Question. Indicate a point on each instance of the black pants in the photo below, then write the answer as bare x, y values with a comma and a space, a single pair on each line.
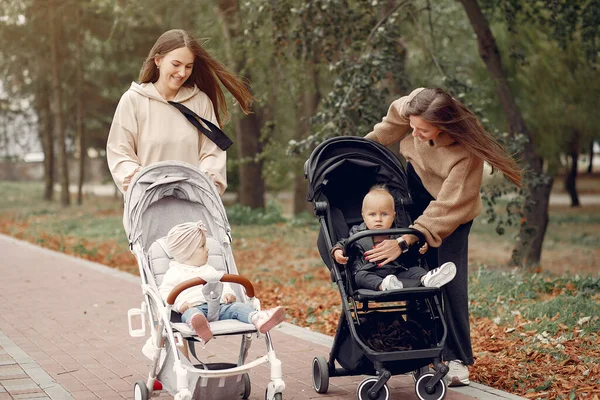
454, 248
372, 278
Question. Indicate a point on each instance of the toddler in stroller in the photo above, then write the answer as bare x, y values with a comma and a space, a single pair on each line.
380, 332
161, 196
187, 245
378, 212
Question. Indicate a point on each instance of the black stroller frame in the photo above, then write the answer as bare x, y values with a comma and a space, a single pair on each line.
361, 308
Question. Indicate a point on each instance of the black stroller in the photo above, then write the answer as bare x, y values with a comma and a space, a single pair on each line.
379, 333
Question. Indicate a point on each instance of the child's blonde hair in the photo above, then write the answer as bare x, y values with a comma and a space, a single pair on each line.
379, 189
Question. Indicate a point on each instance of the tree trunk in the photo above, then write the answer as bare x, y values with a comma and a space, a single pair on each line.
79, 110
56, 103
47, 139
571, 173
528, 249
590, 167
252, 186
308, 104
248, 128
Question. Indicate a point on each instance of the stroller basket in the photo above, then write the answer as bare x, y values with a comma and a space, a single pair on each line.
221, 388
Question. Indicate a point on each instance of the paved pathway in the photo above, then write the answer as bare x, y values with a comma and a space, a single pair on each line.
64, 335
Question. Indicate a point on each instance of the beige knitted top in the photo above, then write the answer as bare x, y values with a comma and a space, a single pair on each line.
449, 172
146, 129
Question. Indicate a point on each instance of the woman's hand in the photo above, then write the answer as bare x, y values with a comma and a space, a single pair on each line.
384, 253
412, 239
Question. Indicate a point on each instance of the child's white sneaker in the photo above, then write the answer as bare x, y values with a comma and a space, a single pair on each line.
439, 276
265, 320
202, 327
391, 282
458, 374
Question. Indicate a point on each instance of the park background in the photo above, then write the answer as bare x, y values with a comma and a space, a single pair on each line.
325, 68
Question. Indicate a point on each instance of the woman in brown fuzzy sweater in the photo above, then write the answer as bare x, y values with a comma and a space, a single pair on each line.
445, 155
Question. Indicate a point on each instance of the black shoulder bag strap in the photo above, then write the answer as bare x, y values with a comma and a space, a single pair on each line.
213, 132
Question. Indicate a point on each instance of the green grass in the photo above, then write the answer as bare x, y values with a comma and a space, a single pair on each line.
545, 301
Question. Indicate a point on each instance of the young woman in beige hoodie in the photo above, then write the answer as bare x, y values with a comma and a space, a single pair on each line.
147, 129
445, 156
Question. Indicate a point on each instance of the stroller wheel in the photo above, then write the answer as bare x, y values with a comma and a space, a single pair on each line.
362, 393
247, 386
419, 371
140, 391
436, 392
278, 396
320, 374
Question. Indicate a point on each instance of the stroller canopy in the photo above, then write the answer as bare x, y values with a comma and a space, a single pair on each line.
342, 169
167, 193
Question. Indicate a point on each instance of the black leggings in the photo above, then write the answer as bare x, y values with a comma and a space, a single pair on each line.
454, 248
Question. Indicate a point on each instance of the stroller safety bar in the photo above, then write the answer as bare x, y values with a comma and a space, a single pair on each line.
198, 281
384, 232
133, 312
227, 372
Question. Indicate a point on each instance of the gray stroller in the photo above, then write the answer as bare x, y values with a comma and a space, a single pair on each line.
160, 196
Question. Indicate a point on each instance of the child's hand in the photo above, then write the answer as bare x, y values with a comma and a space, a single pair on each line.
424, 248
184, 307
228, 298
338, 254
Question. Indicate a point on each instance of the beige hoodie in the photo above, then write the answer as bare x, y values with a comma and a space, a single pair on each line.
146, 129
449, 172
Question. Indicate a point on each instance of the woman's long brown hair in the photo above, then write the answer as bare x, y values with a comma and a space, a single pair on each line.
206, 73
449, 115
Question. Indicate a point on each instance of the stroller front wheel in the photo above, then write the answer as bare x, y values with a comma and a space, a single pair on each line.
278, 396
140, 391
424, 392
320, 374
362, 393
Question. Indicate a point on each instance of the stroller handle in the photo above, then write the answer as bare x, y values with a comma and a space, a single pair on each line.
199, 281
380, 232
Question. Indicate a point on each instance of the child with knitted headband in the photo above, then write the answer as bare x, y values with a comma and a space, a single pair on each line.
187, 246
378, 212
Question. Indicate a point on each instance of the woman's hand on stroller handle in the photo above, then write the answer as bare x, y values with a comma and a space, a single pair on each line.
388, 250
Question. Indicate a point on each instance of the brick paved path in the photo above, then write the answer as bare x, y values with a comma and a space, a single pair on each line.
63, 335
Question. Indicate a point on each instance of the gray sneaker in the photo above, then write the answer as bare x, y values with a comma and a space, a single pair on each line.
390, 282
439, 276
458, 375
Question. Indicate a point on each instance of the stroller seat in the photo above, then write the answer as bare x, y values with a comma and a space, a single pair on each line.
159, 260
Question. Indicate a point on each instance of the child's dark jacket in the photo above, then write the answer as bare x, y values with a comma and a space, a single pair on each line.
358, 249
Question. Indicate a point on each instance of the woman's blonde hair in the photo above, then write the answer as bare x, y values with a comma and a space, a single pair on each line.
449, 115
206, 73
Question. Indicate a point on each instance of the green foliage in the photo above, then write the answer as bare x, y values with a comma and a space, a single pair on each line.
244, 215
363, 53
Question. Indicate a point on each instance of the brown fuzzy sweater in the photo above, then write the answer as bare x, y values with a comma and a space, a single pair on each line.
449, 172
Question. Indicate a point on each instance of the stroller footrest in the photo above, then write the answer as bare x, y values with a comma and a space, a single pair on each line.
406, 293
218, 328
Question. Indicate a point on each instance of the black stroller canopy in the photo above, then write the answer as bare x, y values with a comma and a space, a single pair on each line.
340, 158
